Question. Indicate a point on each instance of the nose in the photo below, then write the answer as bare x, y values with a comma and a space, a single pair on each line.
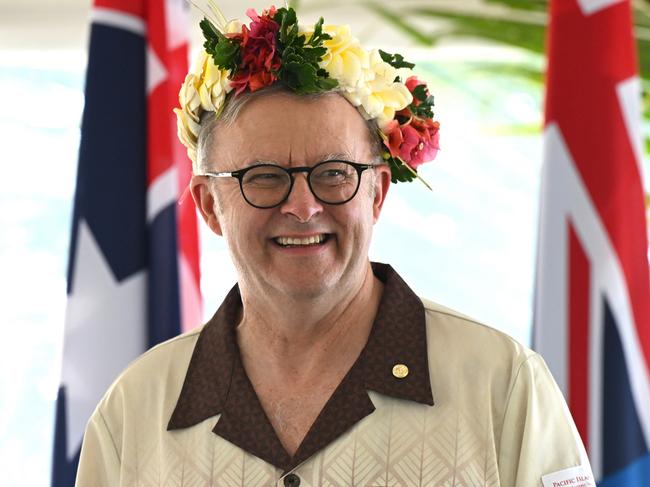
301, 203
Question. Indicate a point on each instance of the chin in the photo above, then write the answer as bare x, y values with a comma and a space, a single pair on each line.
311, 290
306, 285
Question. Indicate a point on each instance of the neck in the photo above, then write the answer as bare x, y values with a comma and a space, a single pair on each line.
302, 334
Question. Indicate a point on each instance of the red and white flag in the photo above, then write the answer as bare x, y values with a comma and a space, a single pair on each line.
592, 302
169, 169
133, 271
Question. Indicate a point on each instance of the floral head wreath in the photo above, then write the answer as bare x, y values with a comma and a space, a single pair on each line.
238, 58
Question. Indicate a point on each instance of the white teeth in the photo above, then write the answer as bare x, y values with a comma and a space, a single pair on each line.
313, 239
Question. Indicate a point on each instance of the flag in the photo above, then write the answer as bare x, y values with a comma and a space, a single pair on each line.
592, 297
133, 266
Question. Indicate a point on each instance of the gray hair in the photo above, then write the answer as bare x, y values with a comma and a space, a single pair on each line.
234, 104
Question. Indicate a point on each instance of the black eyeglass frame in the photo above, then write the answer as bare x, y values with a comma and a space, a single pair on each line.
239, 175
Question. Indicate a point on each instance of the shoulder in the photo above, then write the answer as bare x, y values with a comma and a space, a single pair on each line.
156, 377
452, 328
135, 410
460, 347
173, 353
486, 383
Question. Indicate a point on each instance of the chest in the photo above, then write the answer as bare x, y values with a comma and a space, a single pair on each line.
292, 410
399, 444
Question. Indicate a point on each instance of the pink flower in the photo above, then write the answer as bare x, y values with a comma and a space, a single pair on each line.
395, 137
428, 132
413, 82
260, 61
414, 142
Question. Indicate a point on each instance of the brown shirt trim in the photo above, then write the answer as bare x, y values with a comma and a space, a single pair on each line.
216, 382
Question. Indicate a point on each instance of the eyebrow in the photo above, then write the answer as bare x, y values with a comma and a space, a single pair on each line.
345, 156
330, 156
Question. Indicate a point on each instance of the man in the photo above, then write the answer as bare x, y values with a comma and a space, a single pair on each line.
321, 368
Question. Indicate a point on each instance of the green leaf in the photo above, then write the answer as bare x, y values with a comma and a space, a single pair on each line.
211, 35
300, 69
535, 5
420, 93
287, 20
422, 111
319, 36
326, 83
425, 108
224, 51
226, 55
318, 31
503, 30
395, 60
398, 171
209, 30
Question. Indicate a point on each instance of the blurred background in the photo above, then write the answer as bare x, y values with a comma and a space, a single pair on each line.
469, 244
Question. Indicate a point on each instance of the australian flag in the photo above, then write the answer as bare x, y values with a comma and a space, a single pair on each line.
133, 267
592, 303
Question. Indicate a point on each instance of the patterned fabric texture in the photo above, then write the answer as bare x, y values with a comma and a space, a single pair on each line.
498, 418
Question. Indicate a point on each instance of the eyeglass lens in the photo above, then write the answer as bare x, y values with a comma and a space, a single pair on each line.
332, 182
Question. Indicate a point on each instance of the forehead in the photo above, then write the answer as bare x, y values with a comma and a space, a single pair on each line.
293, 130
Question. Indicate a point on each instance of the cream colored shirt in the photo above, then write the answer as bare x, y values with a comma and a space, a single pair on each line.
476, 409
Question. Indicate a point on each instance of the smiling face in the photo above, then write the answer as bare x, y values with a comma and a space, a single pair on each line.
302, 248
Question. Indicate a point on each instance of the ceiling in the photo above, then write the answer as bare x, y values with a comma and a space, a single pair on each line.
63, 24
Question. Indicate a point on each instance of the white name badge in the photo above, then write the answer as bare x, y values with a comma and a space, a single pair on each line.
570, 477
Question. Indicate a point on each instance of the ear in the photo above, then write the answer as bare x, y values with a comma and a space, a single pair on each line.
382, 183
205, 202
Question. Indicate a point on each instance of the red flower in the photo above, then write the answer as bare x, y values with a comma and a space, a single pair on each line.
414, 142
411, 83
395, 138
260, 61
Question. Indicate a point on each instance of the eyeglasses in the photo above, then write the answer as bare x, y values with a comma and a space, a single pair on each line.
269, 185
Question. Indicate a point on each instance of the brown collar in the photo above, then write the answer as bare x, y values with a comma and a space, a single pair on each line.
216, 382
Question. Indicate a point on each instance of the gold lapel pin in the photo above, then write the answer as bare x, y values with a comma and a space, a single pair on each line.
400, 371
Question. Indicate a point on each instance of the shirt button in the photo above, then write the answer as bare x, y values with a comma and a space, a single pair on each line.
291, 480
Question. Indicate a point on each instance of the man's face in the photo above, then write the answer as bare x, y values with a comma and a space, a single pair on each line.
292, 131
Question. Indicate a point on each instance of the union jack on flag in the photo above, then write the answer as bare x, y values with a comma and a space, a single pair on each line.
133, 272
592, 303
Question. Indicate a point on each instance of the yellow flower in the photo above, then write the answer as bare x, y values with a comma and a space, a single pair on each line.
233, 27
364, 78
381, 96
188, 96
346, 60
204, 89
212, 84
184, 134
187, 128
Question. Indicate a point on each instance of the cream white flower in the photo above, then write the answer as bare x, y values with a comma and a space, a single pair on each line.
204, 89
233, 27
213, 87
188, 96
381, 96
187, 138
346, 60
